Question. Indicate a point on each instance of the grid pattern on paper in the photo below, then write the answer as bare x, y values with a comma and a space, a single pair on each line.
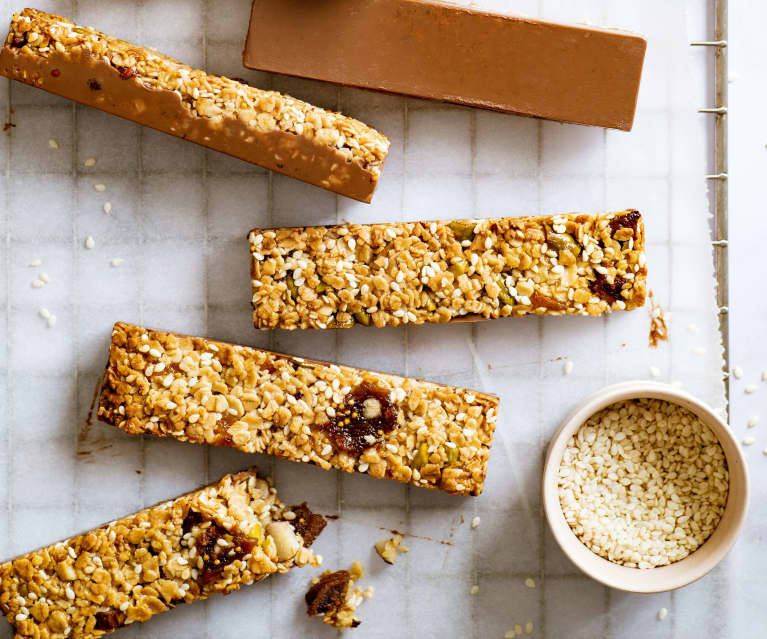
179, 217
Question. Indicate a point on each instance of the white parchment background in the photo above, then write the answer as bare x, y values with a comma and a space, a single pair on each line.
179, 218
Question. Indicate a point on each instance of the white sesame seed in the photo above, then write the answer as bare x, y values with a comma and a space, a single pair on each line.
89, 242
764, 375
100, 187
568, 367
38, 284
737, 372
509, 634
748, 441
363, 467
21, 616
654, 371
107, 207
124, 606
154, 352
530, 582
662, 614
753, 421
44, 277
90, 162
529, 627
474, 590
692, 328
44, 313
699, 350
475, 522
51, 321
35, 262
751, 388
53, 144
116, 261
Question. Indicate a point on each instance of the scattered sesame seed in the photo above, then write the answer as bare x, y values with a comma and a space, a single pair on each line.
751, 388
35, 262
474, 590
737, 372
662, 614
517, 629
89, 242
530, 582
529, 627
753, 421
568, 367
654, 371
764, 375
475, 522
748, 441
51, 321
100, 187
510, 634
44, 277
699, 350
677, 383
38, 284
764, 452
44, 313
53, 144
90, 162
116, 261
692, 328
107, 207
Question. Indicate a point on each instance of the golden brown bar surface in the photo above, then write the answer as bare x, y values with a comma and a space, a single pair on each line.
266, 128
443, 271
203, 391
213, 540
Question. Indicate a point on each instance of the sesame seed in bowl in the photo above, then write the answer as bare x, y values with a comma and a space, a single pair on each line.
644, 487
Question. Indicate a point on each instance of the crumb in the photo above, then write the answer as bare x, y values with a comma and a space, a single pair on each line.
654, 371
658, 326
475, 522
751, 388
333, 595
90, 162
662, 614
530, 582
116, 261
529, 627
474, 590
52, 143
737, 372
748, 441
100, 187
107, 207
753, 421
568, 366
8, 126
89, 242
388, 549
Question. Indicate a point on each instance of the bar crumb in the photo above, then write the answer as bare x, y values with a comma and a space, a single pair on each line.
658, 326
334, 596
388, 549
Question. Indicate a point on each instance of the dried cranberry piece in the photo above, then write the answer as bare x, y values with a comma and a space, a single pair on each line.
19, 41
329, 593
192, 519
602, 288
360, 422
307, 524
94, 85
216, 557
627, 220
55, 73
126, 72
108, 621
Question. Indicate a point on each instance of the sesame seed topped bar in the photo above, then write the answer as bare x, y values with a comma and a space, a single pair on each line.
416, 272
263, 127
202, 391
214, 540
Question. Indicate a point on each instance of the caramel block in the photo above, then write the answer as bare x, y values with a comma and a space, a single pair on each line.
447, 271
439, 51
213, 540
265, 128
207, 392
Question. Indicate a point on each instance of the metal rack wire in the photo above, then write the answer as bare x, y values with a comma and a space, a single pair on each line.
720, 224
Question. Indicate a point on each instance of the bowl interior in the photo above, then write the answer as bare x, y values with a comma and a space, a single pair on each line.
662, 578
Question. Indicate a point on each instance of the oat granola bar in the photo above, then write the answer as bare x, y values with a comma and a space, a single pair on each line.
137, 83
214, 540
461, 270
202, 391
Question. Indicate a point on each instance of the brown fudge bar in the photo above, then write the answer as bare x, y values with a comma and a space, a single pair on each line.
214, 540
266, 128
203, 391
440, 51
416, 272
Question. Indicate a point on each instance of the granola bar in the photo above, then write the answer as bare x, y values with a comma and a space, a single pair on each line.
214, 540
203, 391
137, 83
462, 270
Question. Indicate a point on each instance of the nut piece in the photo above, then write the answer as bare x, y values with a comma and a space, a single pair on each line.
285, 539
371, 408
388, 548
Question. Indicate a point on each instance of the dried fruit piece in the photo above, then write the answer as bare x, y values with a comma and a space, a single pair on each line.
629, 219
219, 548
539, 300
351, 430
292, 288
363, 317
126, 72
333, 595
307, 524
421, 456
602, 288
459, 268
462, 230
503, 295
388, 548
452, 454
108, 621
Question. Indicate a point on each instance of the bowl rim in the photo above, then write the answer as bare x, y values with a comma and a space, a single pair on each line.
662, 578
